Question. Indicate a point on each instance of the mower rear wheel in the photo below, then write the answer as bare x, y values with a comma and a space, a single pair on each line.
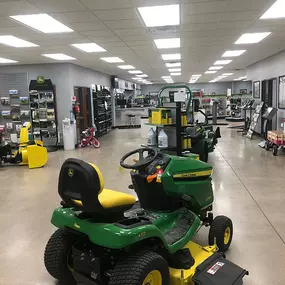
221, 232
142, 268
58, 254
275, 150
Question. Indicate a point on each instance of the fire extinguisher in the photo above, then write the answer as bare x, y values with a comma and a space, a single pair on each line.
76, 110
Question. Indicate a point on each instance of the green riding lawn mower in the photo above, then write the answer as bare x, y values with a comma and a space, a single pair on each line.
107, 237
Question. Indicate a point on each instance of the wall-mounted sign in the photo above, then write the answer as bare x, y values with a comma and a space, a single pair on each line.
40, 80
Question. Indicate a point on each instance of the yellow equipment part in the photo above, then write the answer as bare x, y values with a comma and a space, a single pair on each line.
200, 254
37, 156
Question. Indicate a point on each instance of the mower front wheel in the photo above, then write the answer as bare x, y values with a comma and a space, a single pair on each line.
142, 268
221, 233
58, 254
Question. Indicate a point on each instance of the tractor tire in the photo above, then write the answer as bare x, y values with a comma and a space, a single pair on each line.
142, 268
275, 150
221, 232
57, 254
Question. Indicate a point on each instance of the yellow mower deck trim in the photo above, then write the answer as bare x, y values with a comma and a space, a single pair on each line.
200, 254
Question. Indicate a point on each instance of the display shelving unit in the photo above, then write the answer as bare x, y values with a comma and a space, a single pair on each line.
43, 112
102, 106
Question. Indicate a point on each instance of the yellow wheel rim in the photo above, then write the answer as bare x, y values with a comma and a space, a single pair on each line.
227, 235
153, 278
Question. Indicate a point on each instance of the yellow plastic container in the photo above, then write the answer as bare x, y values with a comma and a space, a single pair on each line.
159, 116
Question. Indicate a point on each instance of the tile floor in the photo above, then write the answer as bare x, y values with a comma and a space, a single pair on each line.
248, 185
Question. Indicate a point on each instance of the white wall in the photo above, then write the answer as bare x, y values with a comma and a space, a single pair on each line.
218, 87
271, 67
65, 76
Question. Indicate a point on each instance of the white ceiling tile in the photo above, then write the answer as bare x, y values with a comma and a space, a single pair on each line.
240, 16
17, 7
58, 5
106, 4
133, 38
234, 25
201, 18
205, 7
198, 26
124, 24
246, 5
111, 39
87, 26
75, 17
118, 14
99, 33
127, 32
144, 3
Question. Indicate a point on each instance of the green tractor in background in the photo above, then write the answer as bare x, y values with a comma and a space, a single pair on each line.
107, 237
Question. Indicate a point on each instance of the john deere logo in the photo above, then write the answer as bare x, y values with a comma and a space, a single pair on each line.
40, 80
70, 172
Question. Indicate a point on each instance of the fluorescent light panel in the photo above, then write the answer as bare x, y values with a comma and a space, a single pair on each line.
172, 56
175, 74
222, 62
252, 38
210, 72
173, 64
112, 59
174, 69
126, 67
165, 77
167, 43
59, 56
277, 10
233, 53
43, 23
135, 78
215, 67
6, 60
135, 72
15, 42
159, 16
142, 75
227, 74
89, 47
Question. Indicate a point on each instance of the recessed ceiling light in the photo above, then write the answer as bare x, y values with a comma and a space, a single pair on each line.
167, 43
170, 56
165, 77
223, 62
89, 47
210, 72
142, 75
135, 78
6, 60
196, 75
158, 16
135, 72
59, 56
232, 53
227, 74
175, 74
252, 38
174, 69
43, 23
215, 67
277, 10
126, 67
15, 42
112, 59
173, 64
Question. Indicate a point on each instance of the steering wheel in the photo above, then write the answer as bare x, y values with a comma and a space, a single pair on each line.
143, 161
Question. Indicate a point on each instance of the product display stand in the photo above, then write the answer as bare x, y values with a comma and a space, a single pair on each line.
255, 119
102, 105
43, 113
